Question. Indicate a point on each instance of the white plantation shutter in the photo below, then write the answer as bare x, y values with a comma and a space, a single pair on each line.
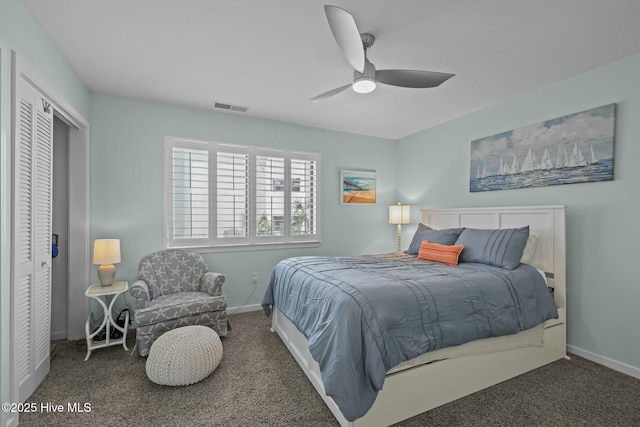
304, 197
229, 195
31, 277
232, 178
270, 196
190, 191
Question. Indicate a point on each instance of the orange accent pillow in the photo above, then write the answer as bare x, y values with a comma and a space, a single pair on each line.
440, 253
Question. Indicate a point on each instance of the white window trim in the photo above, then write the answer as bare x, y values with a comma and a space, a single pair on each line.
252, 241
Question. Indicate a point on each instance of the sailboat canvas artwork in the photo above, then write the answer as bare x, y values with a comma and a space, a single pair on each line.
570, 149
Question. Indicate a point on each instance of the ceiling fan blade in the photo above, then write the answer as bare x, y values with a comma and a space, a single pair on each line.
412, 78
330, 93
347, 35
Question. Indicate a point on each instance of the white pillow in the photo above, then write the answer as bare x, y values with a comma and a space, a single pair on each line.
530, 249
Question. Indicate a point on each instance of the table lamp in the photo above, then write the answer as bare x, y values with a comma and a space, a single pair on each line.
106, 252
399, 214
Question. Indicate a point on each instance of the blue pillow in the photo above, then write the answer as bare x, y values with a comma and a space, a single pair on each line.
447, 237
501, 248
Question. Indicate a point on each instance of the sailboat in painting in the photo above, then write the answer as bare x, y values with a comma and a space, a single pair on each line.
577, 158
530, 162
515, 167
484, 171
560, 163
545, 163
594, 160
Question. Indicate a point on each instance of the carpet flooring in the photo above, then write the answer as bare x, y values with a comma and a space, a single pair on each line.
258, 383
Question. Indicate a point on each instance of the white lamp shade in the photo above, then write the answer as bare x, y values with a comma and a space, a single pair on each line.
106, 251
399, 214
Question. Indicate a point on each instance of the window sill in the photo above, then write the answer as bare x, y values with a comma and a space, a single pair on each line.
250, 247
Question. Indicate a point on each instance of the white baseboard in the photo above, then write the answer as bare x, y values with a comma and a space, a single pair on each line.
605, 361
244, 309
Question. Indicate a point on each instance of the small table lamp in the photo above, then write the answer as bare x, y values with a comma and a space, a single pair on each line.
399, 214
106, 252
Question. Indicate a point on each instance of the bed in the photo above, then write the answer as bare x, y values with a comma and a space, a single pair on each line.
420, 384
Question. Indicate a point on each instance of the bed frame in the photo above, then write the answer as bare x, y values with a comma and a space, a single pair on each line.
415, 390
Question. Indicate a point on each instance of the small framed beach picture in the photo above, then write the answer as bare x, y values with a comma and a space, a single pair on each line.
357, 187
569, 149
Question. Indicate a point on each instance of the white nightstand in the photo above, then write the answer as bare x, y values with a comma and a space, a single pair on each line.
110, 293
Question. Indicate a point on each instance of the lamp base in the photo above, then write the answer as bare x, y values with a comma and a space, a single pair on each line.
399, 238
106, 274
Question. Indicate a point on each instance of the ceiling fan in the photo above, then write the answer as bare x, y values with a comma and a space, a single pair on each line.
354, 46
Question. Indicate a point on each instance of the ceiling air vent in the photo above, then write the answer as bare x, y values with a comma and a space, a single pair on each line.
230, 107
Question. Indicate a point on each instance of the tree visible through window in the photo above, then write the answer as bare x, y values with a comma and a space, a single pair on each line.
299, 219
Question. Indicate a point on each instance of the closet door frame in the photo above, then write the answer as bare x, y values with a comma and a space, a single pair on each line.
79, 217
31, 237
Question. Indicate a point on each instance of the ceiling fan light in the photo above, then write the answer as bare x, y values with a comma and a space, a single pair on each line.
364, 85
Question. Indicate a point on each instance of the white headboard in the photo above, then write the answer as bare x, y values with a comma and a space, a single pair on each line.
546, 222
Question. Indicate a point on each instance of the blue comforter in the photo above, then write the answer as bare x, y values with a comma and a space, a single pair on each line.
364, 315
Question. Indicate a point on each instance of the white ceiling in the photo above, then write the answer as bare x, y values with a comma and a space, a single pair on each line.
272, 56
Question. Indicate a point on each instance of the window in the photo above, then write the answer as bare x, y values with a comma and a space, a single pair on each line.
224, 195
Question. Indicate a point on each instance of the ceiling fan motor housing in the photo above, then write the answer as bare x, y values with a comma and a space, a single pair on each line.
365, 82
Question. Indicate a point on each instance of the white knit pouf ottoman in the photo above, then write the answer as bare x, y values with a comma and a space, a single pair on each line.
184, 356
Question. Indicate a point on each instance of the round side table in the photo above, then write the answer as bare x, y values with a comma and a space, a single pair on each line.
111, 292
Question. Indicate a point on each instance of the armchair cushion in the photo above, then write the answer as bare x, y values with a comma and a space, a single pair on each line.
172, 271
176, 306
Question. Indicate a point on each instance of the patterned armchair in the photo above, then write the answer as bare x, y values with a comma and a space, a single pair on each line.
174, 289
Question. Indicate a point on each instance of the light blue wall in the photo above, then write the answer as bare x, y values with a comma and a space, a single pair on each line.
127, 143
20, 33
603, 230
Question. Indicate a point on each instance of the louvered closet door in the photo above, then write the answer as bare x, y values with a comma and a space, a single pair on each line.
32, 239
